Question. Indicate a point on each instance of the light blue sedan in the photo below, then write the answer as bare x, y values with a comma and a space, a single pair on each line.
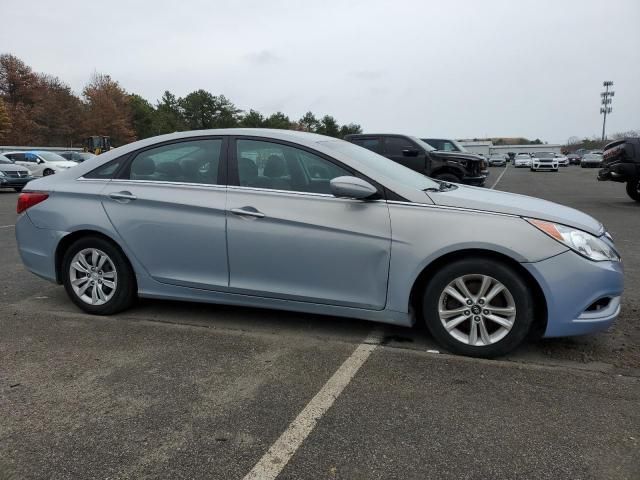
298, 221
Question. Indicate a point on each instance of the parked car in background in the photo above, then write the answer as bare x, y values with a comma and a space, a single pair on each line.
522, 160
591, 160
77, 157
421, 157
235, 217
12, 175
621, 163
563, 161
544, 161
497, 160
40, 163
574, 158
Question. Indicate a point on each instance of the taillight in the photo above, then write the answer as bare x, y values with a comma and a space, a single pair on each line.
29, 199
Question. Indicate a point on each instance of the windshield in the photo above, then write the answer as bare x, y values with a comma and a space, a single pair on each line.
593, 156
522, 155
52, 157
545, 155
444, 145
382, 165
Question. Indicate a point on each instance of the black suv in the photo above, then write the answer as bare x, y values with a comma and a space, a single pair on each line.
621, 163
417, 155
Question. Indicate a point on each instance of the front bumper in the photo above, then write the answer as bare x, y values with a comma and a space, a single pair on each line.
571, 285
476, 181
14, 182
544, 166
619, 172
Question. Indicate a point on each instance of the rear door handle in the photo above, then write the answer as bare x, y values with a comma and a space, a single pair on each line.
122, 196
245, 212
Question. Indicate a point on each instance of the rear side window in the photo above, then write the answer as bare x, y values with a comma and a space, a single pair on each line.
106, 171
372, 144
194, 161
395, 145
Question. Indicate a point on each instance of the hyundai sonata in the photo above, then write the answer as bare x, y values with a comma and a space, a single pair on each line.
298, 221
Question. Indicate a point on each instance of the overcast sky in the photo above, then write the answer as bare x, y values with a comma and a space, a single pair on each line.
428, 68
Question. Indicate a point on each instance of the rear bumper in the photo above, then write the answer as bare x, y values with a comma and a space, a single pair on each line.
619, 172
37, 247
571, 285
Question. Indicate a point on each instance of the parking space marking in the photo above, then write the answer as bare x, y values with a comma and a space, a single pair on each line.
277, 457
6, 226
500, 177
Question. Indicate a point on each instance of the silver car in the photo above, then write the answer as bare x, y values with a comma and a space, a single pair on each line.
298, 221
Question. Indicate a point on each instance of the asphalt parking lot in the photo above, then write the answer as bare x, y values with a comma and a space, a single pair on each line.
178, 390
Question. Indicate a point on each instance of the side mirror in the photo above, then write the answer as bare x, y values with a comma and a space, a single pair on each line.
410, 152
352, 187
40, 161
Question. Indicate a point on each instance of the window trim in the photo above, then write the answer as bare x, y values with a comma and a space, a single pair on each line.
125, 168
233, 179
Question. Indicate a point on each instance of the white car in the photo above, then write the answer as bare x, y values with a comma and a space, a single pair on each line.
544, 161
40, 163
563, 160
522, 160
591, 160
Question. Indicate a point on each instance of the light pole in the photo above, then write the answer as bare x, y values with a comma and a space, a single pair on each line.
606, 104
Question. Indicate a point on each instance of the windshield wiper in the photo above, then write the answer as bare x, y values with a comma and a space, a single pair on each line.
444, 186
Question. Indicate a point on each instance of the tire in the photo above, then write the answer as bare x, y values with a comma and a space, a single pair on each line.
18, 189
501, 339
532, 169
448, 177
47, 172
633, 189
117, 271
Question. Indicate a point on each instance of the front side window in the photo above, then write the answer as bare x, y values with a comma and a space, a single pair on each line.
274, 166
372, 144
194, 161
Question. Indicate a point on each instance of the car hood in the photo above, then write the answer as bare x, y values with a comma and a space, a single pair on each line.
6, 167
514, 204
456, 155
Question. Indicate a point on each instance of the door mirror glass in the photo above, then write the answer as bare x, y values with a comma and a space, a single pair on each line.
410, 152
352, 187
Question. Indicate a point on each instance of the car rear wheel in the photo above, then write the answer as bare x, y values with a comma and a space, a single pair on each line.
633, 189
98, 277
448, 177
478, 307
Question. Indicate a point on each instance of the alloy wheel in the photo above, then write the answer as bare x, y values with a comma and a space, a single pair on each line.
477, 310
93, 276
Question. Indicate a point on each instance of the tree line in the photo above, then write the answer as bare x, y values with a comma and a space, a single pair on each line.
40, 109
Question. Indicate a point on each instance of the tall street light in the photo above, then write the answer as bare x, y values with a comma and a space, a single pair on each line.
606, 104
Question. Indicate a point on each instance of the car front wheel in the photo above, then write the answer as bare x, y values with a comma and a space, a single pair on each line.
633, 189
48, 172
98, 277
478, 307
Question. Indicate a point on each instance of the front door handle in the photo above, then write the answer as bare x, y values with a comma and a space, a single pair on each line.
120, 196
247, 212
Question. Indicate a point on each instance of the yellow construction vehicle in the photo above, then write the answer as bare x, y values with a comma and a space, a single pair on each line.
97, 144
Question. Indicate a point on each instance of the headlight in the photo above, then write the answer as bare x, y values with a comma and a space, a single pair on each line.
581, 242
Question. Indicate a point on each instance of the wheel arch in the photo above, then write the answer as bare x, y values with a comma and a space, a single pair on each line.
458, 172
539, 299
69, 239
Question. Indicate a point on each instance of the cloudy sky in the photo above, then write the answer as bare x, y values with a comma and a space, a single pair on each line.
430, 68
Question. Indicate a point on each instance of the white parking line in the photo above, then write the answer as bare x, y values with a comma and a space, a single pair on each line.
500, 177
277, 457
7, 226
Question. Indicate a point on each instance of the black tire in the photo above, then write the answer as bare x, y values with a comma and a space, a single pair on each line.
47, 172
448, 177
501, 272
18, 189
532, 169
633, 189
126, 289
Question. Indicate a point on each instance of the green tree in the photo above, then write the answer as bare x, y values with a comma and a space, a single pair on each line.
309, 122
350, 129
252, 119
168, 117
278, 120
143, 117
329, 126
203, 110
